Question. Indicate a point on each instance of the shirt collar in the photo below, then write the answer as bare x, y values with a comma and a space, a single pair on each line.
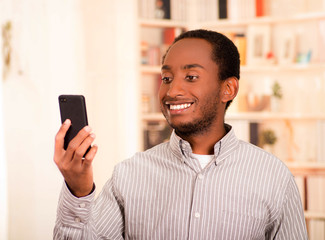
222, 149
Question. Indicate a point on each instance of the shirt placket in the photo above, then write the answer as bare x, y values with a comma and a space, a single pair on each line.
197, 210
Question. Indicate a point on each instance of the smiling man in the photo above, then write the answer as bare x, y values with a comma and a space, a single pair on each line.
192, 98
202, 184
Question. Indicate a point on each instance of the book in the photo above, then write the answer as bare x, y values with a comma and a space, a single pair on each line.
253, 133
259, 8
162, 9
168, 36
156, 132
222, 7
240, 9
240, 42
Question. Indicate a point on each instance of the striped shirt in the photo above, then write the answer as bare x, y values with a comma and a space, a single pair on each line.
163, 193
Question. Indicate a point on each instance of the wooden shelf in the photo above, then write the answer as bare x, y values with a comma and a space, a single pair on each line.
161, 23
251, 116
259, 116
315, 215
258, 69
223, 23
153, 117
283, 68
306, 168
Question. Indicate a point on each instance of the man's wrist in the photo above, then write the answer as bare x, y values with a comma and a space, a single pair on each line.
82, 195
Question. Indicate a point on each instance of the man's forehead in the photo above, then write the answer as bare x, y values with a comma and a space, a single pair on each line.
189, 53
190, 42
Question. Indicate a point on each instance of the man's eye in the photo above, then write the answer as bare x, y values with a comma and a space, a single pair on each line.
191, 78
166, 79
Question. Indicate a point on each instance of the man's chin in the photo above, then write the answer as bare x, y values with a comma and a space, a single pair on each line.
193, 128
184, 129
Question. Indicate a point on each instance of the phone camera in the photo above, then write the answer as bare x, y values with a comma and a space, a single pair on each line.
63, 99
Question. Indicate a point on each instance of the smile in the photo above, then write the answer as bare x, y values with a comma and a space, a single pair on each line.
179, 106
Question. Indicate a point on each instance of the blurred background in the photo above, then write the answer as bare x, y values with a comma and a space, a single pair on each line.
110, 52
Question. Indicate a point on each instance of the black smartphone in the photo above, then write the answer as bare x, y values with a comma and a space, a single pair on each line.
73, 107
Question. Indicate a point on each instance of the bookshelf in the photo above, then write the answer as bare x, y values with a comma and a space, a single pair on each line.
200, 14
300, 124
296, 18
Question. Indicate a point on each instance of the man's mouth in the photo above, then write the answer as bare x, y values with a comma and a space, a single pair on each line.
179, 106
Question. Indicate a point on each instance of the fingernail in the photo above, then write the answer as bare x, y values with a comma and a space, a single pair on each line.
93, 135
96, 147
67, 121
87, 129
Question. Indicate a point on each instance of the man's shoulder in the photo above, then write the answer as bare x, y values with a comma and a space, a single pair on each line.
247, 146
148, 156
259, 156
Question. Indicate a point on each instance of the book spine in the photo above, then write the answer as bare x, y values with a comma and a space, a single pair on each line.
259, 8
169, 36
166, 8
223, 9
162, 9
240, 42
214, 10
253, 133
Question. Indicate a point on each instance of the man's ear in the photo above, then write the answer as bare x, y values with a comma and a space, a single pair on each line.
229, 89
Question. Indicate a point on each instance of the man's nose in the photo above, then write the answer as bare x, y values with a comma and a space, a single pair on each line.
176, 88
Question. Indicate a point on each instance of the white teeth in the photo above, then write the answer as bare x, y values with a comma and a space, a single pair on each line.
180, 106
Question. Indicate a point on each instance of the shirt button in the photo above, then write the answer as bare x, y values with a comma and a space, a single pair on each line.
82, 205
77, 220
197, 215
200, 176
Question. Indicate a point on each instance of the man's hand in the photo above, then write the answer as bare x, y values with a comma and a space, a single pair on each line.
76, 170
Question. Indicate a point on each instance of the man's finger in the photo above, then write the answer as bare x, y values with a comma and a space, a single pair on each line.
77, 141
59, 138
90, 156
82, 148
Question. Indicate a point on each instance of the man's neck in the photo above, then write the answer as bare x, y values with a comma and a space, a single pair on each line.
204, 143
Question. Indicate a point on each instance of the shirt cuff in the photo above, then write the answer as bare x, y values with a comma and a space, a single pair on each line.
74, 211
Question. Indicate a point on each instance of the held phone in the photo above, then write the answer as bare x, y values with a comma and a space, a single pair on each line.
73, 107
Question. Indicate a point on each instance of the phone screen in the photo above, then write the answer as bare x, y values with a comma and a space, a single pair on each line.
73, 107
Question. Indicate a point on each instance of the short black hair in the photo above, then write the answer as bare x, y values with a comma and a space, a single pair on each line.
224, 52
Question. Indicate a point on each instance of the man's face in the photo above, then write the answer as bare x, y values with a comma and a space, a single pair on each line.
190, 91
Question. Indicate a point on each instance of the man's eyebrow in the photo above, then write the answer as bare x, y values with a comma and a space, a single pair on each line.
195, 65
165, 67
187, 66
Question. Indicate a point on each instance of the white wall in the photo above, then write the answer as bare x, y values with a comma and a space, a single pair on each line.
111, 72
60, 47
3, 168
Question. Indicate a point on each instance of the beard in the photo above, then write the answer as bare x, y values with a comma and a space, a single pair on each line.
196, 127
199, 125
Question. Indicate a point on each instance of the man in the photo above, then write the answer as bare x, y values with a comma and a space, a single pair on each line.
202, 184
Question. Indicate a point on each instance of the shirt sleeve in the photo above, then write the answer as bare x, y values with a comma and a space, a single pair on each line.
291, 223
87, 218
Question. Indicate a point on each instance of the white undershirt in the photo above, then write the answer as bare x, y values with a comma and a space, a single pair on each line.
203, 159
